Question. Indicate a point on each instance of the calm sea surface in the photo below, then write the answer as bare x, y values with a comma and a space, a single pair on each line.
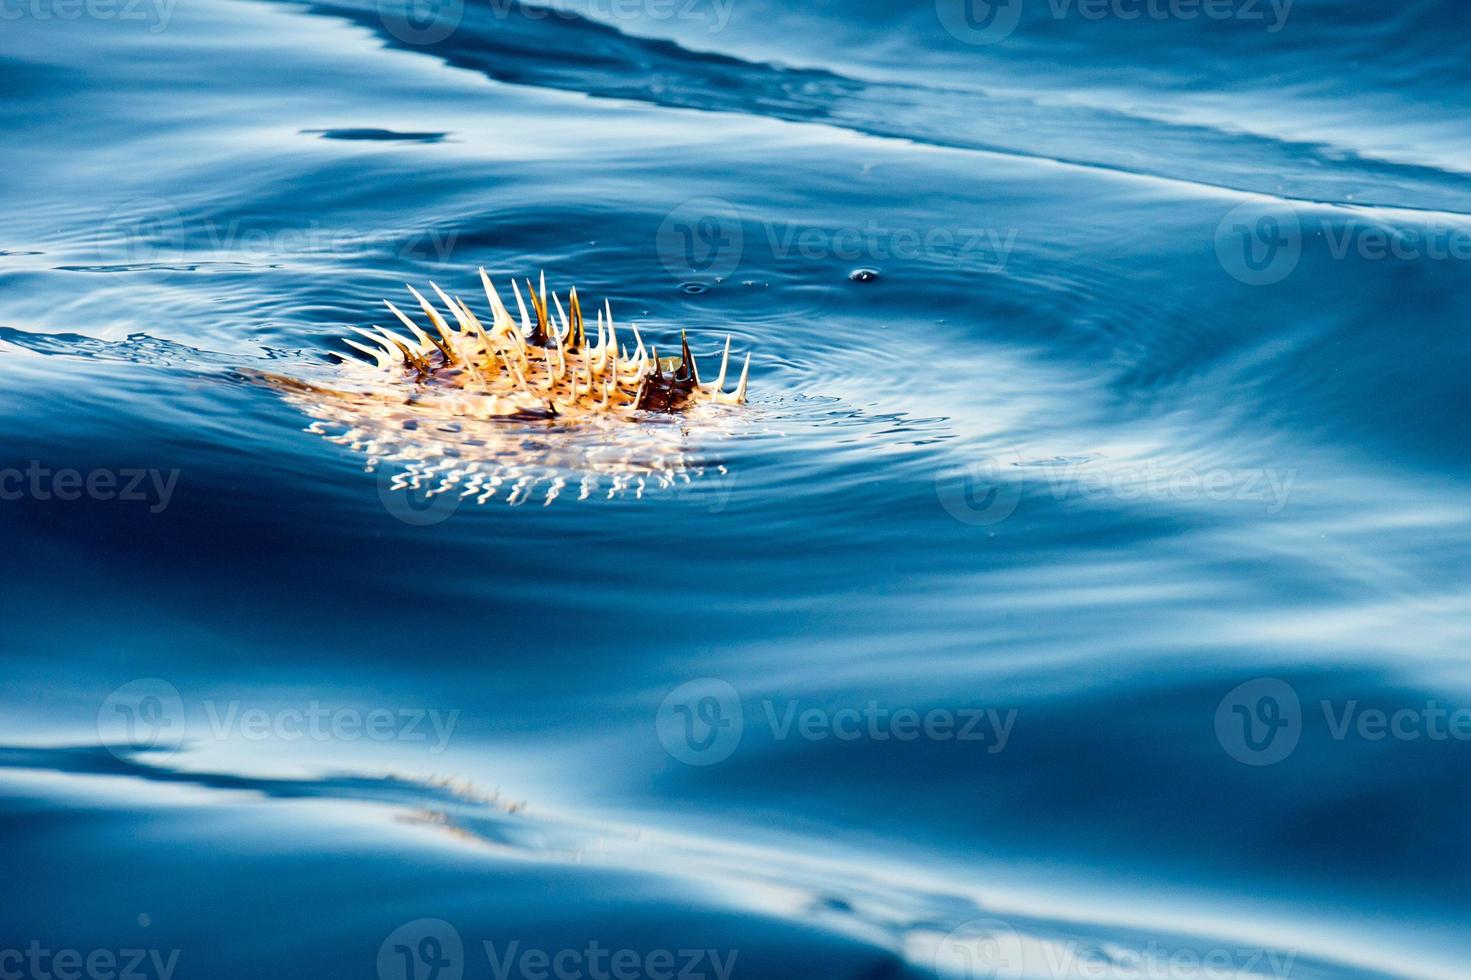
1084, 593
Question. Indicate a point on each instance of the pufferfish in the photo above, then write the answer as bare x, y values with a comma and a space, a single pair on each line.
541, 368
528, 404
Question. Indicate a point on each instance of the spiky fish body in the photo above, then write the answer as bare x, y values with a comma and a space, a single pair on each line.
542, 366
524, 406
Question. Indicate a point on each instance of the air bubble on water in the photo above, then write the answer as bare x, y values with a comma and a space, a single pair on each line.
863, 275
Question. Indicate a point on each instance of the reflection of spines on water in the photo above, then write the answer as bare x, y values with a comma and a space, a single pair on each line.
514, 461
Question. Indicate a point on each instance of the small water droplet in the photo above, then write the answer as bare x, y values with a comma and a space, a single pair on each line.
693, 288
863, 275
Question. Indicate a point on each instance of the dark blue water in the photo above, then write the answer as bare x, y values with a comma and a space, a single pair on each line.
1084, 595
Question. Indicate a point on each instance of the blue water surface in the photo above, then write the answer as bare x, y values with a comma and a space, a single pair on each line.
1083, 592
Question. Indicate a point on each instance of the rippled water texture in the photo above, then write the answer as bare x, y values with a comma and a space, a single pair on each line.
1082, 592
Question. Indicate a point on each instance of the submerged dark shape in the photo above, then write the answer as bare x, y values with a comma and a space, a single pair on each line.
376, 135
